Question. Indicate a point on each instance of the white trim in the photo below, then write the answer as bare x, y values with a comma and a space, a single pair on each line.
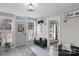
31, 20
58, 28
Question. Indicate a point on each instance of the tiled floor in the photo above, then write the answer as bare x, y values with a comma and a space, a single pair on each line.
21, 51
32, 50
44, 52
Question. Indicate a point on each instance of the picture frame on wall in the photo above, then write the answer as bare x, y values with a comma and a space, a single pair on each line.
20, 27
72, 14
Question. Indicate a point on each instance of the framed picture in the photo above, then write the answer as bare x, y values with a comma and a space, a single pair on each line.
72, 14
20, 27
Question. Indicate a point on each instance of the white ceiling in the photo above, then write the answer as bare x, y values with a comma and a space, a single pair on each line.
44, 9
14, 8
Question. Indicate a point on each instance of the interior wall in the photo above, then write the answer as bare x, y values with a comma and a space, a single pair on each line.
45, 29
12, 8
69, 31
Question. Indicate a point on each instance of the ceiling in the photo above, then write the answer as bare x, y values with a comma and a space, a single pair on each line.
14, 8
43, 9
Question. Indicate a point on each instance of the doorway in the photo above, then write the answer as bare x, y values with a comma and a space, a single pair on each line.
54, 32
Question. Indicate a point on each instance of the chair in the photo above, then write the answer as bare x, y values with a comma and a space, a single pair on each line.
42, 43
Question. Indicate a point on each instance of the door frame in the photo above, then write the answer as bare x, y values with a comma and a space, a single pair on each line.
58, 29
28, 20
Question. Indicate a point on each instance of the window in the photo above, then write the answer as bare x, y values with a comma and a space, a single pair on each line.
5, 24
31, 26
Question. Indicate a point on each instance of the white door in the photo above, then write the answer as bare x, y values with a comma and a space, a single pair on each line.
20, 33
31, 30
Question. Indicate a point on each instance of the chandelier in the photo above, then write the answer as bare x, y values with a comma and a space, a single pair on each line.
30, 7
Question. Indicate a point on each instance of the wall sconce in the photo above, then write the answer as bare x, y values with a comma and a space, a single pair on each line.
41, 21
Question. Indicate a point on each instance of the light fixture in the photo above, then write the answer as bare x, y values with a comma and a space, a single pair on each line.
31, 7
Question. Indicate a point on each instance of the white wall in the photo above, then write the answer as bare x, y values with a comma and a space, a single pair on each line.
69, 31
12, 8
45, 29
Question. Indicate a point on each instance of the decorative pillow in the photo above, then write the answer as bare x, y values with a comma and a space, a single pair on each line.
66, 46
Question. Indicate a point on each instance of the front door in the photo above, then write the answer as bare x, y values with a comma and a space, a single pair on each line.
20, 33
